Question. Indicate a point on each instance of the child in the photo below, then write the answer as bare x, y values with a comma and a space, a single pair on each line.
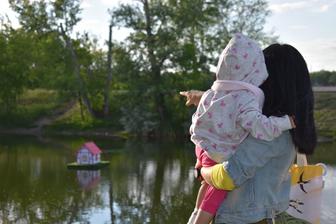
227, 113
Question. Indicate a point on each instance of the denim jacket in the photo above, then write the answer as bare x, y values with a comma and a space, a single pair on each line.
259, 170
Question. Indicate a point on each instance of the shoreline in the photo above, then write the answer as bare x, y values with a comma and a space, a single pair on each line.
40, 133
96, 133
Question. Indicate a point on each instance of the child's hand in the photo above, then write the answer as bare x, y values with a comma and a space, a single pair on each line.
292, 121
198, 164
197, 170
193, 97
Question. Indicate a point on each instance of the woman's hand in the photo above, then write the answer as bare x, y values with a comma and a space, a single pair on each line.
292, 121
193, 96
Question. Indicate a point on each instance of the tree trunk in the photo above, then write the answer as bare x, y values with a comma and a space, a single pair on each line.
109, 76
155, 67
75, 64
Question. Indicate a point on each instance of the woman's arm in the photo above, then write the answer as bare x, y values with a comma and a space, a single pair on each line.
251, 155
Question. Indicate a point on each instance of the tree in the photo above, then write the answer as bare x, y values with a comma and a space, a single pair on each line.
174, 41
75, 58
323, 78
170, 48
15, 46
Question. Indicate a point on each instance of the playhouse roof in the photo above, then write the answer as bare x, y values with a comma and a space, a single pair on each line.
92, 147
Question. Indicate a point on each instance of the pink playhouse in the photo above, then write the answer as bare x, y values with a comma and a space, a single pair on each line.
89, 153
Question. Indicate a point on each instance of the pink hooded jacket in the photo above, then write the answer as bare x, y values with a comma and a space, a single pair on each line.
232, 108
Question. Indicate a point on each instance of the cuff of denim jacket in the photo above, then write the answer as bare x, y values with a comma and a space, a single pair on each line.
236, 172
220, 178
285, 123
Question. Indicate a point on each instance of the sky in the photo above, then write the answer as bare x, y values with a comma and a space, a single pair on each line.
309, 26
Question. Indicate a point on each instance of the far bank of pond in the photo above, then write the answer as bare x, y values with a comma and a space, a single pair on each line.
42, 112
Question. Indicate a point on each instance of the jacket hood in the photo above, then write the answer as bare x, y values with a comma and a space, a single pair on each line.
242, 60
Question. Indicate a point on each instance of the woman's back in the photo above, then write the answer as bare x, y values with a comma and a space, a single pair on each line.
267, 193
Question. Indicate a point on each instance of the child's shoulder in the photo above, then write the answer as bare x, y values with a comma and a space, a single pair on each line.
242, 93
244, 97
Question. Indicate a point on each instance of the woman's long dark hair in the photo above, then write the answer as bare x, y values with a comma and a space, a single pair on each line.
288, 91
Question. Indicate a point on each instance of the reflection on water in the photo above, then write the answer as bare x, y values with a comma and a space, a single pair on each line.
329, 196
145, 183
88, 179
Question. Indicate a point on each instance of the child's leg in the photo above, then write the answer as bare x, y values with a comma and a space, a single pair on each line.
202, 189
209, 205
201, 193
203, 217
212, 199
192, 217
200, 196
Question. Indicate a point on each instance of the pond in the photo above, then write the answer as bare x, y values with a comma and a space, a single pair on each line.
144, 183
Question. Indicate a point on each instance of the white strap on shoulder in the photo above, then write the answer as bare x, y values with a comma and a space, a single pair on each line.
301, 159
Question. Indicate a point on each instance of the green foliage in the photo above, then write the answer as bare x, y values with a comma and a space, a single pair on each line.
77, 120
32, 105
169, 49
74, 67
33, 15
16, 46
42, 16
66, 12
323, 78
73, 120
325, 114
138, 119
325, 153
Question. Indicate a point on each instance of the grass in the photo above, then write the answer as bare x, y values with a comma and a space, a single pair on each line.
32, 105
325, 118
325, 114
73, 120
326, 153
77, 120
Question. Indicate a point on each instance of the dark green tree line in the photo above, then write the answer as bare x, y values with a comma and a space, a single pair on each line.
323, 78
170, 47
172, 43
69, 65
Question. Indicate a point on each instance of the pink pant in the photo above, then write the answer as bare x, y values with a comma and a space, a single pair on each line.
213, 197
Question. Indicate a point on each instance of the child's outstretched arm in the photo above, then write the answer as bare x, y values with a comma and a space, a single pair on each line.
250, 117
193, 96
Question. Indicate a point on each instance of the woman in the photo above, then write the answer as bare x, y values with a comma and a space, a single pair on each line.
258, 177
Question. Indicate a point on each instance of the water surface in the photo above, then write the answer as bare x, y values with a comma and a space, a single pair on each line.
145, 182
